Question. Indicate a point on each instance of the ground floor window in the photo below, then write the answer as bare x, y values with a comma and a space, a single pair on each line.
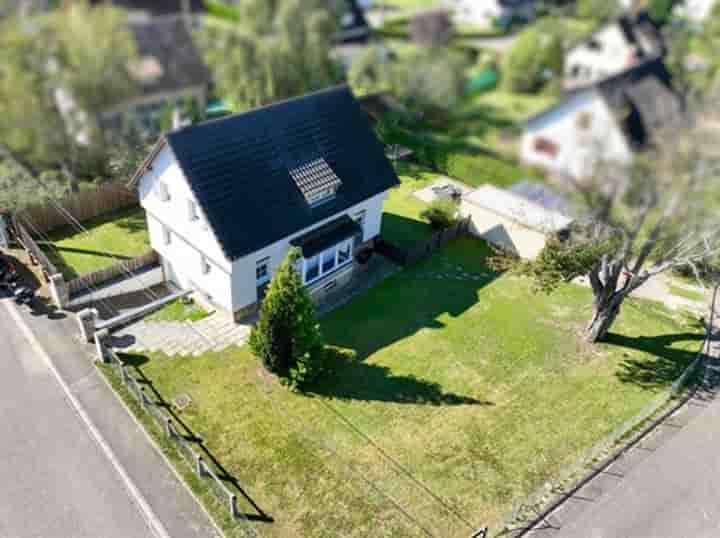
315, 267
262, 271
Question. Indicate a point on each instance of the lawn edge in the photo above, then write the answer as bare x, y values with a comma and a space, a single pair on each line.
202, 494
555, 492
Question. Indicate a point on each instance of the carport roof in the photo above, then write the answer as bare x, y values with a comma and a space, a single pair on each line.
517, 208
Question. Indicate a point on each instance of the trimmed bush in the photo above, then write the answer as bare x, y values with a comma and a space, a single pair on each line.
441, 214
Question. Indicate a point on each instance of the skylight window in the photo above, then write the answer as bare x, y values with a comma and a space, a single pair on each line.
317, 181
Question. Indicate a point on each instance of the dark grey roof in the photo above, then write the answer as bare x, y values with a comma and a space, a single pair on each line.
239, 166
643, 93
167, 41
325, 236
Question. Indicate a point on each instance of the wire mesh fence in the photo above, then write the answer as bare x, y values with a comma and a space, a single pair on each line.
172, 432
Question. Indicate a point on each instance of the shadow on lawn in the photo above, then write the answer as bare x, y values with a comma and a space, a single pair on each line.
135, 362
403, 231
665, 364
352, 379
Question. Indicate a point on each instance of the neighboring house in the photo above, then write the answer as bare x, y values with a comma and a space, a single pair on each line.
22, 7
353, 24
619, 45
168, 72
510, 221
696, 10
486, 12
226, 199
606, 122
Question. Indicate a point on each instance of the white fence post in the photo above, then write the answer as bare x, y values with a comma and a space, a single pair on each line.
87, 320
101, 338
59, 290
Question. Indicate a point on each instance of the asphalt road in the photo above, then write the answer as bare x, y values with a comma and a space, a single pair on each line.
668, 487
55, 481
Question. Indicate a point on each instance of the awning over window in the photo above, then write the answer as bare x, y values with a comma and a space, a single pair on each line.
325, 236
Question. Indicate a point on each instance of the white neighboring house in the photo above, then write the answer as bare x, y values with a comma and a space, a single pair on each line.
614, 48
602, 124
696, 10
484, 12
510, 221
226, 199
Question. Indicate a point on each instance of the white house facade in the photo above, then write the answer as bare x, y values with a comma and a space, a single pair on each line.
223, 223
568, 138
483, 13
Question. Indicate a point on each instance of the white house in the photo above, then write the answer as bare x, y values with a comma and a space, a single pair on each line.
603, 123
484, 12
226, 199
617, 46
510, 221
696, 11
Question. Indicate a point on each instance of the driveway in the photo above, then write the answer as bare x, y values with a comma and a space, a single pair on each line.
55, 480
667, 487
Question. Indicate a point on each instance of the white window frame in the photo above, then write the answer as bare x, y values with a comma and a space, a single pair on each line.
205, 267
193, 211
167, 235
337, 264
260, 280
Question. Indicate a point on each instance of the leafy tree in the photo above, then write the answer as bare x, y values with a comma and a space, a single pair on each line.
659, 216
660, 11
431, 28
423, 80
18, 190
80, 52
276, 50
536, 58
287, 337
598, 10
440, 214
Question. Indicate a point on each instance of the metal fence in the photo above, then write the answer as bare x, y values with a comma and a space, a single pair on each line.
173, 433
36, 254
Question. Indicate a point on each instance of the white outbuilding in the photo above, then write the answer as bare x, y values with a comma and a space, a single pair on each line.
510, 221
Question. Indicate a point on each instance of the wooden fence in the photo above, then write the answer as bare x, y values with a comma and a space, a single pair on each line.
424, 248
103, 276
37, 256
165, 422
81, 206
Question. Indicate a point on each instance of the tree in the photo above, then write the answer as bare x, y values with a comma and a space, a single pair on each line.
431, 28
658, 216
598, 10
660, 11
80, 52
535, 59
423, 80
276, 50
287, 337
18, 190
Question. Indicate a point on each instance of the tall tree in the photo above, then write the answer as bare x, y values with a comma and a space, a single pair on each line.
659, 216
277, 49
535, 59
287, 337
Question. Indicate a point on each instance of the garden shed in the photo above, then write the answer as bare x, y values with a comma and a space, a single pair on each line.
510, 221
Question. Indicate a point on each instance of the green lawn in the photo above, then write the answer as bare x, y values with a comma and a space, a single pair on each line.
692, 295
401, 222
468, 382
179, 310
110, 239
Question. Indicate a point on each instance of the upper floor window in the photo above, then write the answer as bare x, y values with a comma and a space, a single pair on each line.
543, 145
162, 191
205, 266
167, 235
192, 210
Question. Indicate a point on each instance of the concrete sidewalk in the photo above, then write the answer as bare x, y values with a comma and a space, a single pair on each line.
168, 498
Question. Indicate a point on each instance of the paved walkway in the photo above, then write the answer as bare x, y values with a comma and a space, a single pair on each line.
71, 482
665, 487
183, 338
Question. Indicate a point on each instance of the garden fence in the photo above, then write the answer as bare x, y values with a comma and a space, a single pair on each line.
424, 248
103, 276
81, 206
173, 433
37, 256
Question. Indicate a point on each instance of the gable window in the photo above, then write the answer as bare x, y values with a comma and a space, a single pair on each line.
167, 235
163, 191
262, 271
546, 146
205, 266
316, 181
192, 210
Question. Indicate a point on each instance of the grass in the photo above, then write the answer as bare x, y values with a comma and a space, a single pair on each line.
401, 222
446, 372
692, 295
109, 240
179, 310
